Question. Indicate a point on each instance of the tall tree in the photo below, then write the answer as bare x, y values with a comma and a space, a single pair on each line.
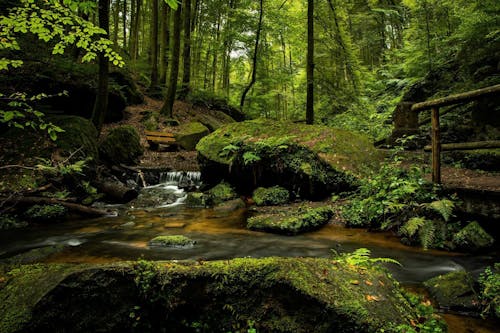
154, 45
101, 102
186, 55
310, 63
168, 106
255, 56
164, 40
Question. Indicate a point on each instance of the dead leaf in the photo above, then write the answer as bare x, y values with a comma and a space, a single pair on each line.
369, 283
355, 282
371, 298
381, 283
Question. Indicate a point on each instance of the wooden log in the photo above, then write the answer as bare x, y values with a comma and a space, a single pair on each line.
458, 98
436, 147
467, 145
73, 207
117, 192
160, 134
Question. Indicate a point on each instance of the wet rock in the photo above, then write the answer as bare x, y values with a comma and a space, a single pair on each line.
271, 196
220, 193
45, 213
188, 135
454, 291
33, 255
195, 199
292, 222
121, 146
175, 225
472, 238
275, 294
127, 225
230, 206
172, 241
154, 197
309, 161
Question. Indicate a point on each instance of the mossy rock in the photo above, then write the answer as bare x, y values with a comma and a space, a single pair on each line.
275, 294
220, 193
271, 196
230, 206
473, 238
292, 222
8, 222
454, 291
122, 145
195, 199
214, 120
79, 133
309, 160
188, 135
179, 241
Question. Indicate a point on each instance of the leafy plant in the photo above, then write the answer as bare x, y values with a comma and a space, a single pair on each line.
250, 158
361, 257
489, 282
444, 207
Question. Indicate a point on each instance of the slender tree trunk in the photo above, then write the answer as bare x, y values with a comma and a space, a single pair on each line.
216, 53
101, 102
168, 106
255, 54
116, 12
132, 26
154, 45
124, 24
310, 63
164, 40
186, 55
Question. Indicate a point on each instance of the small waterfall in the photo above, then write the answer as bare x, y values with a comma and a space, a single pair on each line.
179, 177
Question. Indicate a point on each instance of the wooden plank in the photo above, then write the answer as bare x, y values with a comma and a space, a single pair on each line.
436, 147
467, 145
160, 134
454, 99
160, 140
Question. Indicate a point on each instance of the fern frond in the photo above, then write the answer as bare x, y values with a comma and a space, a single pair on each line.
412, 225
444, 207
427, 234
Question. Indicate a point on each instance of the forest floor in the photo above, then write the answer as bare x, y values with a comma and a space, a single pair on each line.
452, 177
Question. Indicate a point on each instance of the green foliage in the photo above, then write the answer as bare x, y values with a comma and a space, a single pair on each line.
172, 241
489, 282
444, 207
411, 227
45, 213
275, 195
250, 158
427, 322
361, 257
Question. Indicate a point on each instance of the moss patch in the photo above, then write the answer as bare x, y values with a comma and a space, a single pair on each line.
188, 135
172, 241
121, 146
472, 238
292, 222
45, 213
269, 294
220, 193
271, 196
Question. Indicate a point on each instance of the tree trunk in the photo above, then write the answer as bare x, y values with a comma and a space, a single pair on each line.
124, 24
154, 45
116, 12
168, 106
255, 54
186, 55
101, 101
216, 51
310, 63
164, 40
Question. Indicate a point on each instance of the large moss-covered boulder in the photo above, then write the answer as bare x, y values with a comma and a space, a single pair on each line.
310, 161
472, 238
122, 145
188, 135
454, 291
268, 295
291, 222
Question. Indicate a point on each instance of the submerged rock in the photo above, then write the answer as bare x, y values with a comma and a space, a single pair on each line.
269, 294
122, 145
293, 221
172, 241
472, 238
309, 161
188, 135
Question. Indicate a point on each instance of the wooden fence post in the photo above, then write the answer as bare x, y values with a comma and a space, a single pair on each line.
436, 147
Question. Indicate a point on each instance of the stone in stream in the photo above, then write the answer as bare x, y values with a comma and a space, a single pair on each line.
274, 294
310, 161
472, 238
271, 196
175, 225
179, 241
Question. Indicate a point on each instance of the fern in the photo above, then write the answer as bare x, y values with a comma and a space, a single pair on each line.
444, 207
361, 257
250, 158
427, 234
412, 225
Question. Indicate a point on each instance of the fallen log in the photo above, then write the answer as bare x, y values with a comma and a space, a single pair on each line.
467, 145
117, 191
72, 207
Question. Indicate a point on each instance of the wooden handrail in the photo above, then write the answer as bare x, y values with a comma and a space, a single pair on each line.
492, 144
434, 105
455, 99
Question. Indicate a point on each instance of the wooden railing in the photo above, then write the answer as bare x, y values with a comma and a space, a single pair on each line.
436, 146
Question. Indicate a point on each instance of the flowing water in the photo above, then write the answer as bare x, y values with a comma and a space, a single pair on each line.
160, 210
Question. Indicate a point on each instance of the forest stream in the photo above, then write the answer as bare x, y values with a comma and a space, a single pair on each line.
125, 235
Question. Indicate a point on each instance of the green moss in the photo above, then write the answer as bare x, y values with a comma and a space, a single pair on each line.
172, 241
292, 222
189, 134
220, 193
11, 222
342, 150
78, 133
473, 238
45, 213
121, 146
275, 195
